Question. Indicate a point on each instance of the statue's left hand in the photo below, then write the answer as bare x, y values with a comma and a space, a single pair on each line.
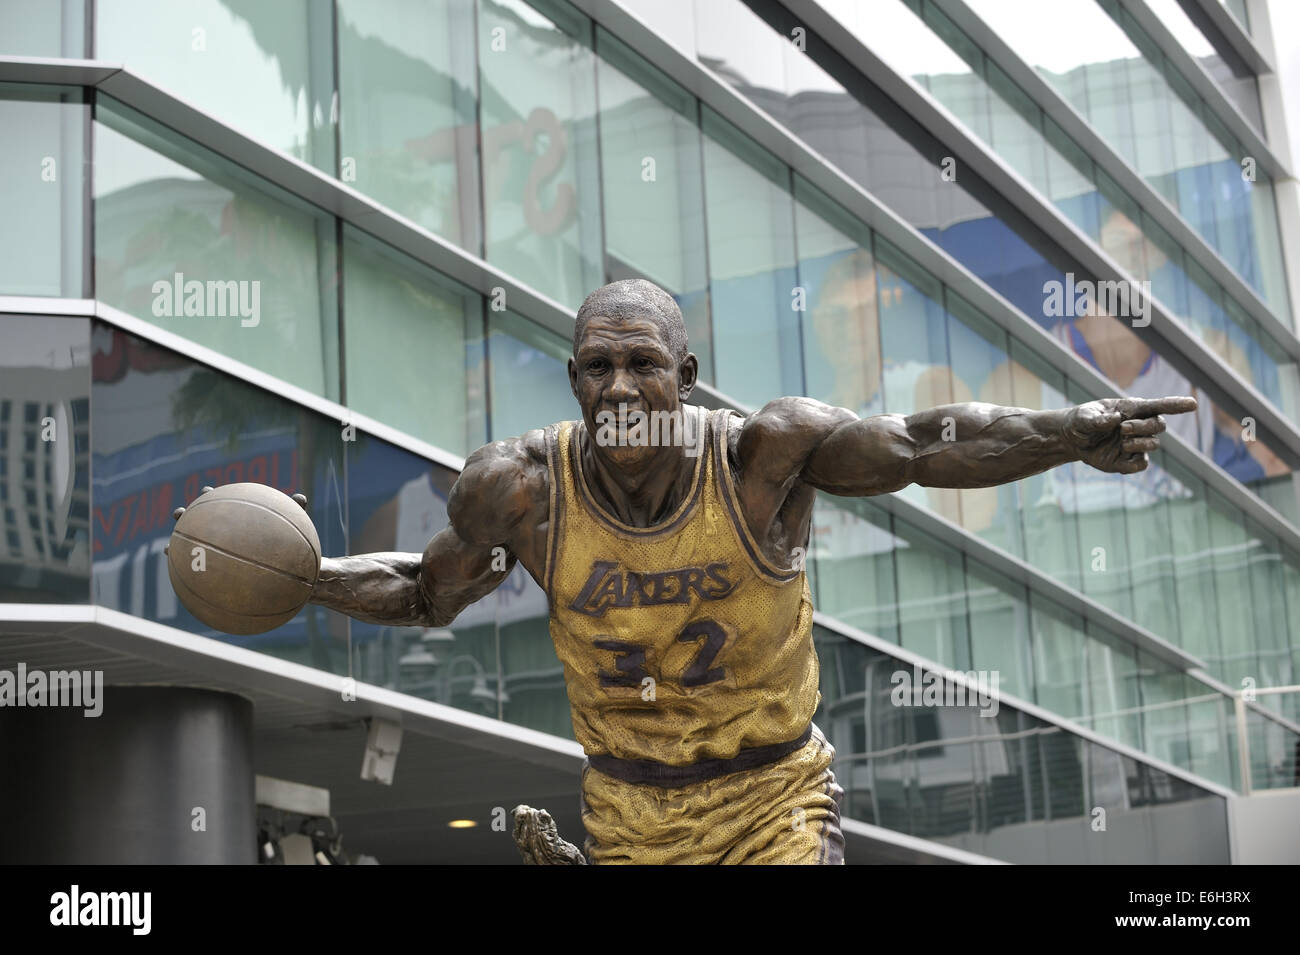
1116, 434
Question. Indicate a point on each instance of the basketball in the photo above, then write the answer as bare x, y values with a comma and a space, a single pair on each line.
243, 558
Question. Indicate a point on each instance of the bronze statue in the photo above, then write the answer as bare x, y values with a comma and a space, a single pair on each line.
670, 541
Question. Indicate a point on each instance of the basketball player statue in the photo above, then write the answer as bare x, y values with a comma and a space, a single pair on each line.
672, 562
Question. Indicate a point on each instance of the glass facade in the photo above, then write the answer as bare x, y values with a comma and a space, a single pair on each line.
1003, 784
1119, 80
530, 137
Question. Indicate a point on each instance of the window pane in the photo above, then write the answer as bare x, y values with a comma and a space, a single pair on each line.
199, 247
841, 333
1232, 587
751, 266
1048, 509
1114, 700
653, 186
540, 172
407, 123
164, 428
43, 29
914, 346
931, 598
1060, 660
528, 376
266, 69
45, 459
999, 629
42, 186
1151, 547
414, 346
853, 554
981, 369
1103, 533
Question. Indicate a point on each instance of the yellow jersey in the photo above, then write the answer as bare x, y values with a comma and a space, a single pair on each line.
680, 642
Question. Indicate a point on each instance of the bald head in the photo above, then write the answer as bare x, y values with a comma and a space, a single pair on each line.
635, 298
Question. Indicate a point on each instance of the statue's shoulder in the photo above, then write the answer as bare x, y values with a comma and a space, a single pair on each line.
508, 476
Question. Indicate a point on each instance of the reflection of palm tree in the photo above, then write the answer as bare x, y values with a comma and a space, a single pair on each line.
228, 410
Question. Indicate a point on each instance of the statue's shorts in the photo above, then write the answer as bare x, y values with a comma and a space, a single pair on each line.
784, 812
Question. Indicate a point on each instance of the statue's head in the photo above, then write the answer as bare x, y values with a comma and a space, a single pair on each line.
629, 355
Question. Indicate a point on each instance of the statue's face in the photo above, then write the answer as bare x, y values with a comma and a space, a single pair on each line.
623, 367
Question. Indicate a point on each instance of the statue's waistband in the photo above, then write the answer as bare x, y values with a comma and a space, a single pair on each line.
652, 773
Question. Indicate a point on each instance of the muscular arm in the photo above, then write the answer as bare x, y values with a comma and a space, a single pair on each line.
959, 445
490, 509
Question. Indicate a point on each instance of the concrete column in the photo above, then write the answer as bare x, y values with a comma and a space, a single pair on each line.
163, 775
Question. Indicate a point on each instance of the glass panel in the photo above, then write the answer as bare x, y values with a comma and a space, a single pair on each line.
1114, 698
914, 343
1232, 587
199, 247
1103, 532
853, 555
1151, 547
1000, 630
265, 69
931, 598
541, 173
1069, 177
842, 330
757, 351
414, 346
45, 459
1165, 693
528, 376
1272, 286
1264, 571
981, 369
43, 29
1194, 577
1048, 509
165, 427
653, 186
1060, 657
1212, 735
407, 125
1016, 128
44, 188
397, 501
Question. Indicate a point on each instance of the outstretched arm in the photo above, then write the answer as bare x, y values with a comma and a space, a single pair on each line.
490, 505
961, 445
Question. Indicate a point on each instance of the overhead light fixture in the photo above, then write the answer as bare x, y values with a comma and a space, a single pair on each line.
462, 824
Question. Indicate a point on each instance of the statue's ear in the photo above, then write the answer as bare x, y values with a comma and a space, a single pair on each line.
688, 373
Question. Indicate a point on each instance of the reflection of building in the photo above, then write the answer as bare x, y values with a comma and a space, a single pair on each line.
476, 167
44, 451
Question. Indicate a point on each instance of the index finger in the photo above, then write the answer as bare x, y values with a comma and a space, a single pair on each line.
1150, 407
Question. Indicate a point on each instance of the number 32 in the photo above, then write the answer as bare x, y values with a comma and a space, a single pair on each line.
629, 663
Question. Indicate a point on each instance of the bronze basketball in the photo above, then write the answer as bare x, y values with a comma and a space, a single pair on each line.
244, 558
